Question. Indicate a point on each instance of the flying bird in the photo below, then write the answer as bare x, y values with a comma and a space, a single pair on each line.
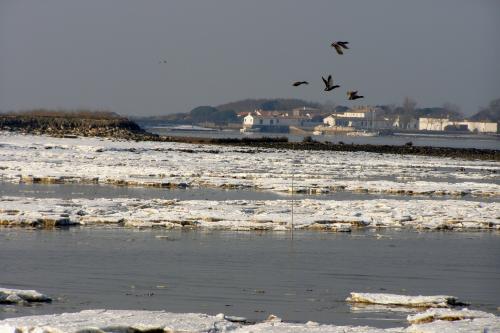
329, 83
298, 83
353, 94
339, 46
163, 61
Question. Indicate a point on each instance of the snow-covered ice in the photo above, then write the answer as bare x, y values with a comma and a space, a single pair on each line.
453, 321
438, 301
447, 314
328, 215
118, 321
10, 296
41, 159
160, 321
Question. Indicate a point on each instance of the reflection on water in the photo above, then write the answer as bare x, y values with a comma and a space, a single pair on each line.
464, 141
248, 274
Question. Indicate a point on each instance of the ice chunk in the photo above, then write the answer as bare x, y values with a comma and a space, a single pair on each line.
447, 314
453, 321
9, 296
440, 301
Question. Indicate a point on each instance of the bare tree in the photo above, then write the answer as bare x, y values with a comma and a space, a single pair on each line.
409, 106
452, 110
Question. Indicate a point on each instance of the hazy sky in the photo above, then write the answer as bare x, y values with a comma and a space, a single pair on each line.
106, 53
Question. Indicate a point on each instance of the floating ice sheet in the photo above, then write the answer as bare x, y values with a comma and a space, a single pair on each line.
13, 296
438, 301
157, 321
328, 215
43, 159
453, 321
118, 321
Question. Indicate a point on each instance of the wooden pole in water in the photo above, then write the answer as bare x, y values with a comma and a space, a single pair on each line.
293, 175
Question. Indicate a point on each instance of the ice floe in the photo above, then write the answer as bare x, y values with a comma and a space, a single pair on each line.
18, 296
439, 301
453, 321
118, 321
41, 159
328, 215
160, 321
447, 314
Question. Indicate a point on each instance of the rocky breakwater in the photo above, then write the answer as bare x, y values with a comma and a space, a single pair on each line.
68, 124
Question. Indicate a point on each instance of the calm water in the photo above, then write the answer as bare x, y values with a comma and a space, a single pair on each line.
92, 191
471, 141
246, 274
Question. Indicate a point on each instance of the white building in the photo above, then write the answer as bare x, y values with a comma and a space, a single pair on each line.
275, 121
366, 118
432, 124
444, 124
481, 126
252, 120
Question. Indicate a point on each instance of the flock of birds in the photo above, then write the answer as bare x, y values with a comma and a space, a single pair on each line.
339, 46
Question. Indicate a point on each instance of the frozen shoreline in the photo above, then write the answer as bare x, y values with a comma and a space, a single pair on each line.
246, 215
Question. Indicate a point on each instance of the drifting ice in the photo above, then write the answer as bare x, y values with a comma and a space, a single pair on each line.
328, 215
10, 296
439, 301
440, 321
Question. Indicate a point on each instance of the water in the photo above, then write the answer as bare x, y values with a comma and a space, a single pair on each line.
246, 274
463, 141
93, 191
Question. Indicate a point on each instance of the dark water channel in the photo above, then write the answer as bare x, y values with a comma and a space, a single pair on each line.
246, 274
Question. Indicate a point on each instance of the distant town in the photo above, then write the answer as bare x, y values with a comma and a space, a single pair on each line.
286, 116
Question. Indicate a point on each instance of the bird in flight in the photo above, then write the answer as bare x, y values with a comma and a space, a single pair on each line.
339, 46
163, 61
298, 83
353, 94
329, 83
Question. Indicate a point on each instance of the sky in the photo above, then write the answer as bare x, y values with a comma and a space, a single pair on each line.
105, 54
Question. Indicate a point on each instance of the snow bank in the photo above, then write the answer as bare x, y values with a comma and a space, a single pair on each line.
328, 215
439, 301
49, 160
11, 296
118, 321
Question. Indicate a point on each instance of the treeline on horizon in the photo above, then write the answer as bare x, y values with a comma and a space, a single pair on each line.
62, 113
227, 113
